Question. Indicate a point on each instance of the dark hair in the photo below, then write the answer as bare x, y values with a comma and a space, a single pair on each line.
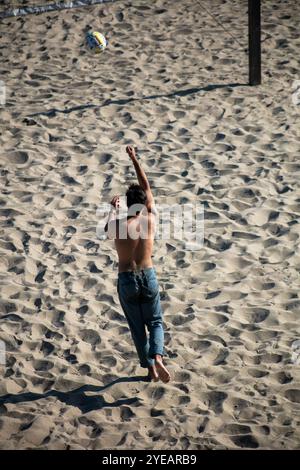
135, 195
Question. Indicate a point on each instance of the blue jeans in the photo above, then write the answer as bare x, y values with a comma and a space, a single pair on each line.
139, 297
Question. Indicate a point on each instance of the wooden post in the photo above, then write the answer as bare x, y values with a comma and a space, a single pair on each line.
254, 28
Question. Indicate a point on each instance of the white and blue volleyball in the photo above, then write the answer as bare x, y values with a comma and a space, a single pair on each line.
96, 42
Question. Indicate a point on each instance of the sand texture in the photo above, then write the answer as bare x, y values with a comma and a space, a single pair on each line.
173, 83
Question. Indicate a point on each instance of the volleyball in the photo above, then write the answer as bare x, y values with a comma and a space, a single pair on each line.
96, 42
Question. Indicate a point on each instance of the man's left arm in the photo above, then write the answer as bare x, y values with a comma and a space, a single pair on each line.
111, 224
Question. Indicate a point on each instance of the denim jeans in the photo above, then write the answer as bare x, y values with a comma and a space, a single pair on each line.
139, 297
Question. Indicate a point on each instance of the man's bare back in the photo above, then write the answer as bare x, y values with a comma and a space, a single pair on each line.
135, 253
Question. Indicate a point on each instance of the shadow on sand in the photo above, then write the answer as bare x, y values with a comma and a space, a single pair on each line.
121, 102
78, 397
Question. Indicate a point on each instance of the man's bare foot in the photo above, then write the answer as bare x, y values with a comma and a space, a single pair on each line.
162, 372
152, 374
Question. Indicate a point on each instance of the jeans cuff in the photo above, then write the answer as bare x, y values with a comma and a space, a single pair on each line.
159, 352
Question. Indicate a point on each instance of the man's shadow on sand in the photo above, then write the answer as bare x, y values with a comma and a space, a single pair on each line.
78, 397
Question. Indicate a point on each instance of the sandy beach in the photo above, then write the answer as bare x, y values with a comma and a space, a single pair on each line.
173, 83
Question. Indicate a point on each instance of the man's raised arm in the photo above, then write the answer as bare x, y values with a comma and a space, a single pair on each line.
141, 176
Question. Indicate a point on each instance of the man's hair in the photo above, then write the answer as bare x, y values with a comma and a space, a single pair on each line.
135, 195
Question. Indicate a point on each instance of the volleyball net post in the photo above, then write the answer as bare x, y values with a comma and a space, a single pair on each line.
254, 35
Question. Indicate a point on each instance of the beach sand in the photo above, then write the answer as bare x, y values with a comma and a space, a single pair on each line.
173, 83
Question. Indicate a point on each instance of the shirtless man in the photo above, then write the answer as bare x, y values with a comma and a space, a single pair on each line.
138, 288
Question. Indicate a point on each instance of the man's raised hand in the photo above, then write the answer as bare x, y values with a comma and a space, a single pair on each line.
131, 152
